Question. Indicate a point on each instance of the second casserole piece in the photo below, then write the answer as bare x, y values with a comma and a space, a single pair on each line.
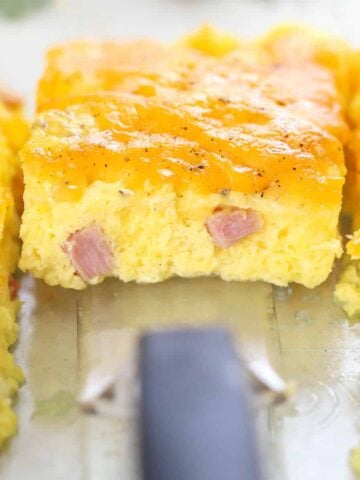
151, 160
347, 290
13, 133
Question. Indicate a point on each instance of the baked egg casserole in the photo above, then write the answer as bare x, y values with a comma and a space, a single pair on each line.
150, 160
347, 290
13, 133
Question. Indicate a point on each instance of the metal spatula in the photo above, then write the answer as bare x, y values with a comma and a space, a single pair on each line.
195, 416
66, 335
112, 320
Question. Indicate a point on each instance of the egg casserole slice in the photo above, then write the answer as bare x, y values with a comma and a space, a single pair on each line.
150, 160
13, 133
347, 290
352, 190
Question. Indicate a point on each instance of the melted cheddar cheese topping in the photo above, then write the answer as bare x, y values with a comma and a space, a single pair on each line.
248, 118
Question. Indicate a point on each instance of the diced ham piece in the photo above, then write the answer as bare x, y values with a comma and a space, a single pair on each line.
229, 225
14, 287
89, 252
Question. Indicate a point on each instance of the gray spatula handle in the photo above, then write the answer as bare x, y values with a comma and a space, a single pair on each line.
195, 418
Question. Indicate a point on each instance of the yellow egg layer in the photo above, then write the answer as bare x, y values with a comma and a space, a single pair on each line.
156, 233
261, 121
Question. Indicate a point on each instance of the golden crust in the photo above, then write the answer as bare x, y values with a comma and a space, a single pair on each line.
253, 119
